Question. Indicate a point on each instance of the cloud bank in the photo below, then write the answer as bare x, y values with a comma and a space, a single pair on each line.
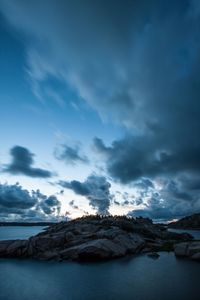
95, 188
70, 154
22, 161
17, 203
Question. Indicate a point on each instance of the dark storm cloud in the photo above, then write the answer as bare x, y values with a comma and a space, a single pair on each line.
48, 205
16, 202
138, 66
77, 186
100, 147
173, 200
123, 198
22, 161
95, 188
133, 157
71, 155
138, 59
14, 197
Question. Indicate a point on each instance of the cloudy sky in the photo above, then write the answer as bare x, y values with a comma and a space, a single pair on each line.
100, 108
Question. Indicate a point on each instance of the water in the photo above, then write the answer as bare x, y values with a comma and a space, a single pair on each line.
18, 232
194, 233
136, 278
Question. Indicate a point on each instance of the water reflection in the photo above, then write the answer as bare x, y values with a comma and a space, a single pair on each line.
131, 278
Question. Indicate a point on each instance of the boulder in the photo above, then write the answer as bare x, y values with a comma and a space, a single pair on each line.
3, 247
48, 255
17, 248
181, 249
43, 243
189, 249
13, 248
98, 250
132, 242
196, 256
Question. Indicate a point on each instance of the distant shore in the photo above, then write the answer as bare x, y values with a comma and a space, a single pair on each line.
27, 223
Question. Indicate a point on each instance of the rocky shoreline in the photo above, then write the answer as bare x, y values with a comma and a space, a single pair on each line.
96, 238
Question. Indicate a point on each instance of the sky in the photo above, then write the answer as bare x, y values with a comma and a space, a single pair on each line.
99, 108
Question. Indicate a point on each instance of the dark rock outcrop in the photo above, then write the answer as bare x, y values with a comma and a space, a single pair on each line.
189, 250
190, 222
94, 238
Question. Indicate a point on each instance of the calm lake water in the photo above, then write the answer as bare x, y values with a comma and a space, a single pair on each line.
18, 232
136, 278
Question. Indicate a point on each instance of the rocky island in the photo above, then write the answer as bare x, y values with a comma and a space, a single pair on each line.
95, 238
189, 222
